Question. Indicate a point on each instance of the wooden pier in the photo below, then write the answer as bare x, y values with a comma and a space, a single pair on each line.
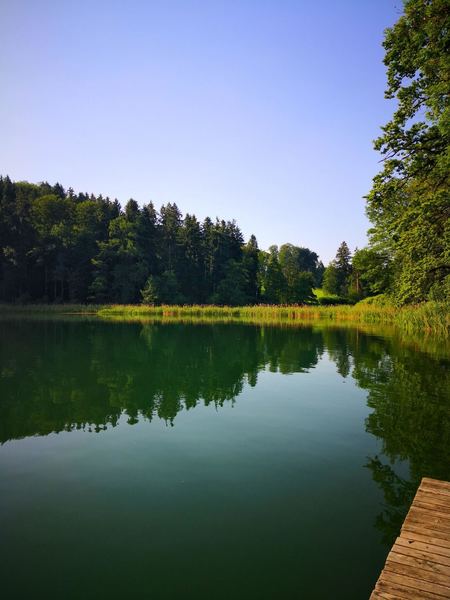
418, 565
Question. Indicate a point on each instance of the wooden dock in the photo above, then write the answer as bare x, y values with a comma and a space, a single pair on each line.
418, 565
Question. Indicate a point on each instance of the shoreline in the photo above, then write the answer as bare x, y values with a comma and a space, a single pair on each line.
428, 317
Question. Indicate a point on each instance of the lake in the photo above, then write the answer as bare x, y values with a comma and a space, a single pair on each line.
211, 461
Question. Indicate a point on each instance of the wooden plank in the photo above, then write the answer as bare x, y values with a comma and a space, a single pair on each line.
428, 520
427, 517
386, 596
417, 584
434, 490
433, 536
418, 543
403, 591
427, 482
441, 494
418, 573
432, 495
439, 508
419, 552
414, 536
418, 565
430, 499
436, 509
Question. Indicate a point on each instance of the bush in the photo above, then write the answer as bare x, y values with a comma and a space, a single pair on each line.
381, 300
331, 300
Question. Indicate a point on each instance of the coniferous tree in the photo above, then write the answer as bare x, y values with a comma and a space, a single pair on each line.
343, 266
191, 255
251, 265
231, 289
58, 246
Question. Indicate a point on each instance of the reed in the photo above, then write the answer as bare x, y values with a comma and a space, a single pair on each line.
431, 316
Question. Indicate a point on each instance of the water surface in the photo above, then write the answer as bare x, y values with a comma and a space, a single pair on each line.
210, 461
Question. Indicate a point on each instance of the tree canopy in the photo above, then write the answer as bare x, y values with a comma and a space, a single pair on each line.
409, 204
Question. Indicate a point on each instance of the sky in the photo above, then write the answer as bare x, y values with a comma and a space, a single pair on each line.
263, 111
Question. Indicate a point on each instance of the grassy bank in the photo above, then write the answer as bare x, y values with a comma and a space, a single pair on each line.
433, 317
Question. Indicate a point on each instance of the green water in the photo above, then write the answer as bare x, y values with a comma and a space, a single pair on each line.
168, 461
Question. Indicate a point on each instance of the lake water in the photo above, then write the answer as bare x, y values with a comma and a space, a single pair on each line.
168, 461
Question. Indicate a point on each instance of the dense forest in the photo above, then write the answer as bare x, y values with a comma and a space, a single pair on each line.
60, 246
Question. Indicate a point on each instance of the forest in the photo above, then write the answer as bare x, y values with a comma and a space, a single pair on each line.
59, 246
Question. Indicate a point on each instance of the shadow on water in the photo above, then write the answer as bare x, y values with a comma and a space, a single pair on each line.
64, 375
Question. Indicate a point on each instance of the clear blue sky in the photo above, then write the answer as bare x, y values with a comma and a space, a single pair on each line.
262, 111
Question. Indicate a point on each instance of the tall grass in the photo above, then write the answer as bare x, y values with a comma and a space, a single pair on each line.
431, 316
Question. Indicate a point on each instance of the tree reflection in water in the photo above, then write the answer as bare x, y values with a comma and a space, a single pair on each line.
63, 375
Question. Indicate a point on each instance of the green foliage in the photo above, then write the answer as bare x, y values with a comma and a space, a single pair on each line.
371, 272
324, 298
440, 290
343, 266
273, 282
330, 279
120, 269
169, 289
382, 300
288, 275
295, 260
149, 293
409, 204
332, 300
58, 246
300, 288
337, 276
191, 258
251, 263
232, 288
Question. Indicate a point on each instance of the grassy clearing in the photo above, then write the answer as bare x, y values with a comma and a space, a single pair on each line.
325, 298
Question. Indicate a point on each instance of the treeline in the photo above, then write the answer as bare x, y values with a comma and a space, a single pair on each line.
58, 246
375, 270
